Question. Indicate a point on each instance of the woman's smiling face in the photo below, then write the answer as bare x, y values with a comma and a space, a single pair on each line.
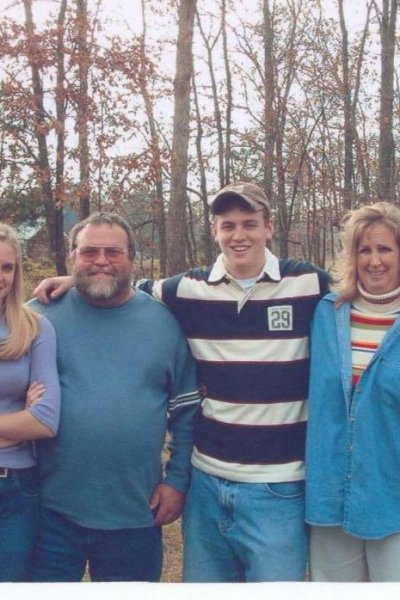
378, 260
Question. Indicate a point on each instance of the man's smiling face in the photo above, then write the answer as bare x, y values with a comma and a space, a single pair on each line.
242, 236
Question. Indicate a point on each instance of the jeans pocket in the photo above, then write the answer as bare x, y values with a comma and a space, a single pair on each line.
28, 482
286, 489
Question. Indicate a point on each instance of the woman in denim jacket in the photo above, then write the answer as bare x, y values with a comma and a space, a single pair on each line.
29, 409
353, 438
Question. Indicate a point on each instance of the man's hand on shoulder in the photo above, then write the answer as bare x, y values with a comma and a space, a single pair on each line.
52, 288
166, 503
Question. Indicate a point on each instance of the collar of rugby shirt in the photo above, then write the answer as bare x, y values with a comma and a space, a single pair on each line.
270, 270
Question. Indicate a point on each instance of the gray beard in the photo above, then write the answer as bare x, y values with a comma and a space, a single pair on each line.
101, 290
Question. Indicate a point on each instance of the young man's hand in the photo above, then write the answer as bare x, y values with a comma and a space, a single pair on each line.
52, 288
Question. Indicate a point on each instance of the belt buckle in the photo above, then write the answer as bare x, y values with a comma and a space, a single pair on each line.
3, 472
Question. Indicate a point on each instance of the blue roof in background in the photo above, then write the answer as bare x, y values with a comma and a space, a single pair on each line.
26, 231
71, 218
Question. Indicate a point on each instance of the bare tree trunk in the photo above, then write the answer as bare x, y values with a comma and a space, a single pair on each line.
229, 101
348, 128
158, 206
361, 161
282, 212
82, 108
60, 111
42, 162
269, 115
210, 45
361, 153
180, 141
191, 238
2, 146
386, 141
208, 245
285, 212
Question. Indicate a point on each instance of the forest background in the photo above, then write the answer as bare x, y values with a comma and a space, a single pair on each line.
149, 107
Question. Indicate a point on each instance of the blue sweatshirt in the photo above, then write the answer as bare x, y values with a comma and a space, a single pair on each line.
126, 374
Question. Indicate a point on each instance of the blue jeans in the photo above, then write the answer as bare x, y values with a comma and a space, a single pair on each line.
63, 548
236, 532
19, 503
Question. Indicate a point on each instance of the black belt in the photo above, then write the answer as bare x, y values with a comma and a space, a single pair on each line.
7, 472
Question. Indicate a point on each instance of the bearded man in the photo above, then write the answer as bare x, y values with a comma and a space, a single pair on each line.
126, 376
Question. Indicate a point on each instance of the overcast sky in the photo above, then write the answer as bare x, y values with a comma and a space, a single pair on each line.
129, 10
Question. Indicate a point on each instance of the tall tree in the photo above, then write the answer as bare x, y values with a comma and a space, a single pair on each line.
208, 245
285, 208
348, 121
350, 94
60, 254
158, 203
83, 107
42, 166
210, 44
360, 154
387, 21
269, 94
176, 225
229, 99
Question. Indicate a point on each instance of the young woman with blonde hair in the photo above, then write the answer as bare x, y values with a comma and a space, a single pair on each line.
29, 410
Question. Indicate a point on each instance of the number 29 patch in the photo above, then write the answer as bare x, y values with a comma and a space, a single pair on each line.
280, 318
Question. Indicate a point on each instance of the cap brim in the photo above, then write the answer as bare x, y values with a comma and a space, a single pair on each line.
224, 198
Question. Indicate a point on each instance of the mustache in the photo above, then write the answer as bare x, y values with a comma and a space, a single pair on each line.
106, 270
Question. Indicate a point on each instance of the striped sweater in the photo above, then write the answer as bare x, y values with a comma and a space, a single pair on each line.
252, 353
370, 319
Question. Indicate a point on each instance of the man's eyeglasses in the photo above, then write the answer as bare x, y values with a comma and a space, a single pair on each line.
91, 253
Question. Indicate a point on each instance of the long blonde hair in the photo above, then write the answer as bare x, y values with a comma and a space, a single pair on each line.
22, 323
354, 224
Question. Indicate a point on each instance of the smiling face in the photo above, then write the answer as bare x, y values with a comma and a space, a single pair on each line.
8, 265
242, 236
378, 260
102, 265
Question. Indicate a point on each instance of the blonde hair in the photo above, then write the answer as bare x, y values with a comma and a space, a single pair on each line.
22, 323
354, 224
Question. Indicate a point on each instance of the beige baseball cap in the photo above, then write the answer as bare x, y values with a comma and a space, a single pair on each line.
252, 194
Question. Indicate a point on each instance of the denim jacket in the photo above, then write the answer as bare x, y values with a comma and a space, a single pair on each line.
353, 442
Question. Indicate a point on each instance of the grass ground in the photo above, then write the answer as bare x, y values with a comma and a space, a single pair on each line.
172, 568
